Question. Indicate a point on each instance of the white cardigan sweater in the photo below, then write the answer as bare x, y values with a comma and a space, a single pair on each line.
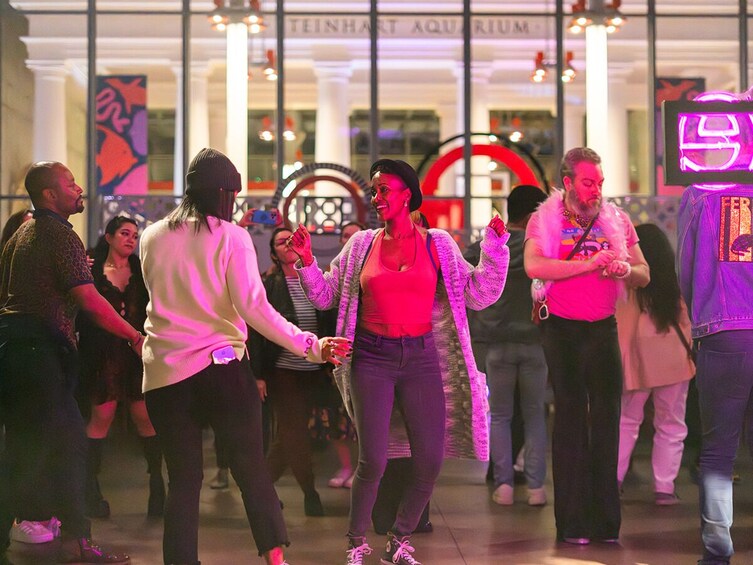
203, 289
459, 285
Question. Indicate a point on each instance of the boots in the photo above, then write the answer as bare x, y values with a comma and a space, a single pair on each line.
96, 505
153, 455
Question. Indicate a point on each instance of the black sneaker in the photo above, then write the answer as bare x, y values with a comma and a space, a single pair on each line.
357, 550
398, 551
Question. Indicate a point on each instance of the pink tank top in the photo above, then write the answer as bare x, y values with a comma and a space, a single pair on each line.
398, 303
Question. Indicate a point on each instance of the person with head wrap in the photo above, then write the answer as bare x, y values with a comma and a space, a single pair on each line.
401, 293
204, 288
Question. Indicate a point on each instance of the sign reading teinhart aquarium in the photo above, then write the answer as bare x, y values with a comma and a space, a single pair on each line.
405, 27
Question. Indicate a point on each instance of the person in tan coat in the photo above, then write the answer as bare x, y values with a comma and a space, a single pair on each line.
654, 335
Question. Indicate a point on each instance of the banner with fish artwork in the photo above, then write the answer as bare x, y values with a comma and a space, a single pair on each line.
121, 135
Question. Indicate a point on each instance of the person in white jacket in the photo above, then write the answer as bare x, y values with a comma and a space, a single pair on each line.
204, 288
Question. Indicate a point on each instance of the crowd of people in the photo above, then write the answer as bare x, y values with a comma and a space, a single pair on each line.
403, 345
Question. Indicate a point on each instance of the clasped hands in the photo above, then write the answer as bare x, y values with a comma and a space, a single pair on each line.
610, 266
334, 349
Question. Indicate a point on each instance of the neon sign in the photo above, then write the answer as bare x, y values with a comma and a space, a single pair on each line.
708, 140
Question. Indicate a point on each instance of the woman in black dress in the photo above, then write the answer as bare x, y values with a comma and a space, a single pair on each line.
110, 371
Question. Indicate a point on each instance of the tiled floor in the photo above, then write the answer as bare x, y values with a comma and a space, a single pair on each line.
468, 527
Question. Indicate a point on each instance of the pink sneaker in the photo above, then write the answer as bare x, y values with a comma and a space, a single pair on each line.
31, 532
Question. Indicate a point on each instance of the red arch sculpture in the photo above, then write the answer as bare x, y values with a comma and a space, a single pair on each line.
514, 162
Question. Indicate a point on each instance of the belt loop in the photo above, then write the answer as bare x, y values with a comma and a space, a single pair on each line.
378, 340
423, 342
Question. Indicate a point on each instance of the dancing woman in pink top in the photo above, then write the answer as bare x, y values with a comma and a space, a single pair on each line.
411, 387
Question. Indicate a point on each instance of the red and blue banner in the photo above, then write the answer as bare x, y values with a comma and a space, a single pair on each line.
122, 135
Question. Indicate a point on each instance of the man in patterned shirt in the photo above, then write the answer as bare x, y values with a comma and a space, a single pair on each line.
44, 281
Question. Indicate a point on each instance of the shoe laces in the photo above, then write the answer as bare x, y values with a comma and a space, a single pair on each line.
356, 554
403, 551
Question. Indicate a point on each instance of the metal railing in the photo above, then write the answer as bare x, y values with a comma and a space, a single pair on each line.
324, 214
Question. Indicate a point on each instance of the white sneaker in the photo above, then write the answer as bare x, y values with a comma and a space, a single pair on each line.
221, 480
339, 478
536, 496
503, 495
30, 532
349, 481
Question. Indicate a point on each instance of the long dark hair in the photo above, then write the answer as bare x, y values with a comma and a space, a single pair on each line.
661, 297
11, 226
188, 209
272, 253
103, 248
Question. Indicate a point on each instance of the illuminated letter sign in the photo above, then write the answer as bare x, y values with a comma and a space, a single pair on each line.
708, 141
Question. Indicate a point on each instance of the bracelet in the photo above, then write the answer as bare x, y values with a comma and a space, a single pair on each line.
138, 339
627, 273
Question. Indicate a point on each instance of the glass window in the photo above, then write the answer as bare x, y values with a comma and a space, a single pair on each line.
718, 7
686, 67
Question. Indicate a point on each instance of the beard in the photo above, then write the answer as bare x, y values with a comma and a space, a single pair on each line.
587, 209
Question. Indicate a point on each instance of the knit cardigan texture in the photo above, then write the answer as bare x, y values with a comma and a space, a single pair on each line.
459, 285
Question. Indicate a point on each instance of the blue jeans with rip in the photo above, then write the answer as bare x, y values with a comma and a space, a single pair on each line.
403, 371
724, 377
508, 364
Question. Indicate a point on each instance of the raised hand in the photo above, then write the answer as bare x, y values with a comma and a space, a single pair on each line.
300, 242
497, 225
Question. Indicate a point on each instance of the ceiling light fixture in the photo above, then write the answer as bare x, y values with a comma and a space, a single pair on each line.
228, 12
597, 13
541, 68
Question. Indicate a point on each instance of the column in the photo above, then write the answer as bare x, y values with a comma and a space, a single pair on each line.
50, 139
199, 112
180, 165
597, 92
616, 162
333, 112
237, 100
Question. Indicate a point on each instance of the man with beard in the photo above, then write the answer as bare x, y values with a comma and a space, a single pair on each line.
584, 251
44, 280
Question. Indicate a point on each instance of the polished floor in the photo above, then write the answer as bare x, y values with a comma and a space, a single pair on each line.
468, 528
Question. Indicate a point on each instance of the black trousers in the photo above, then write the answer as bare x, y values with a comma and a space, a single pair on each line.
43, 468
226, 398
585, 367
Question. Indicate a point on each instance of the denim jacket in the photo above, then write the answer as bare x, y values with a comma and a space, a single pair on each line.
715, 257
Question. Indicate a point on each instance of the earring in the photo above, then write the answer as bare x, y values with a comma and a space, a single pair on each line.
406, 203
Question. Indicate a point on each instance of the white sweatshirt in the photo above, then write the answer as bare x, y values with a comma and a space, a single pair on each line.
203, 289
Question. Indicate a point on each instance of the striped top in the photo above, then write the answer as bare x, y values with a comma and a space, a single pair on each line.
306, 314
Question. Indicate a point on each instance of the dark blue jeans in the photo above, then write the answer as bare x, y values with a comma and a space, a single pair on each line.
43, 468
585, 368
406, 371
724, 377
225, 397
